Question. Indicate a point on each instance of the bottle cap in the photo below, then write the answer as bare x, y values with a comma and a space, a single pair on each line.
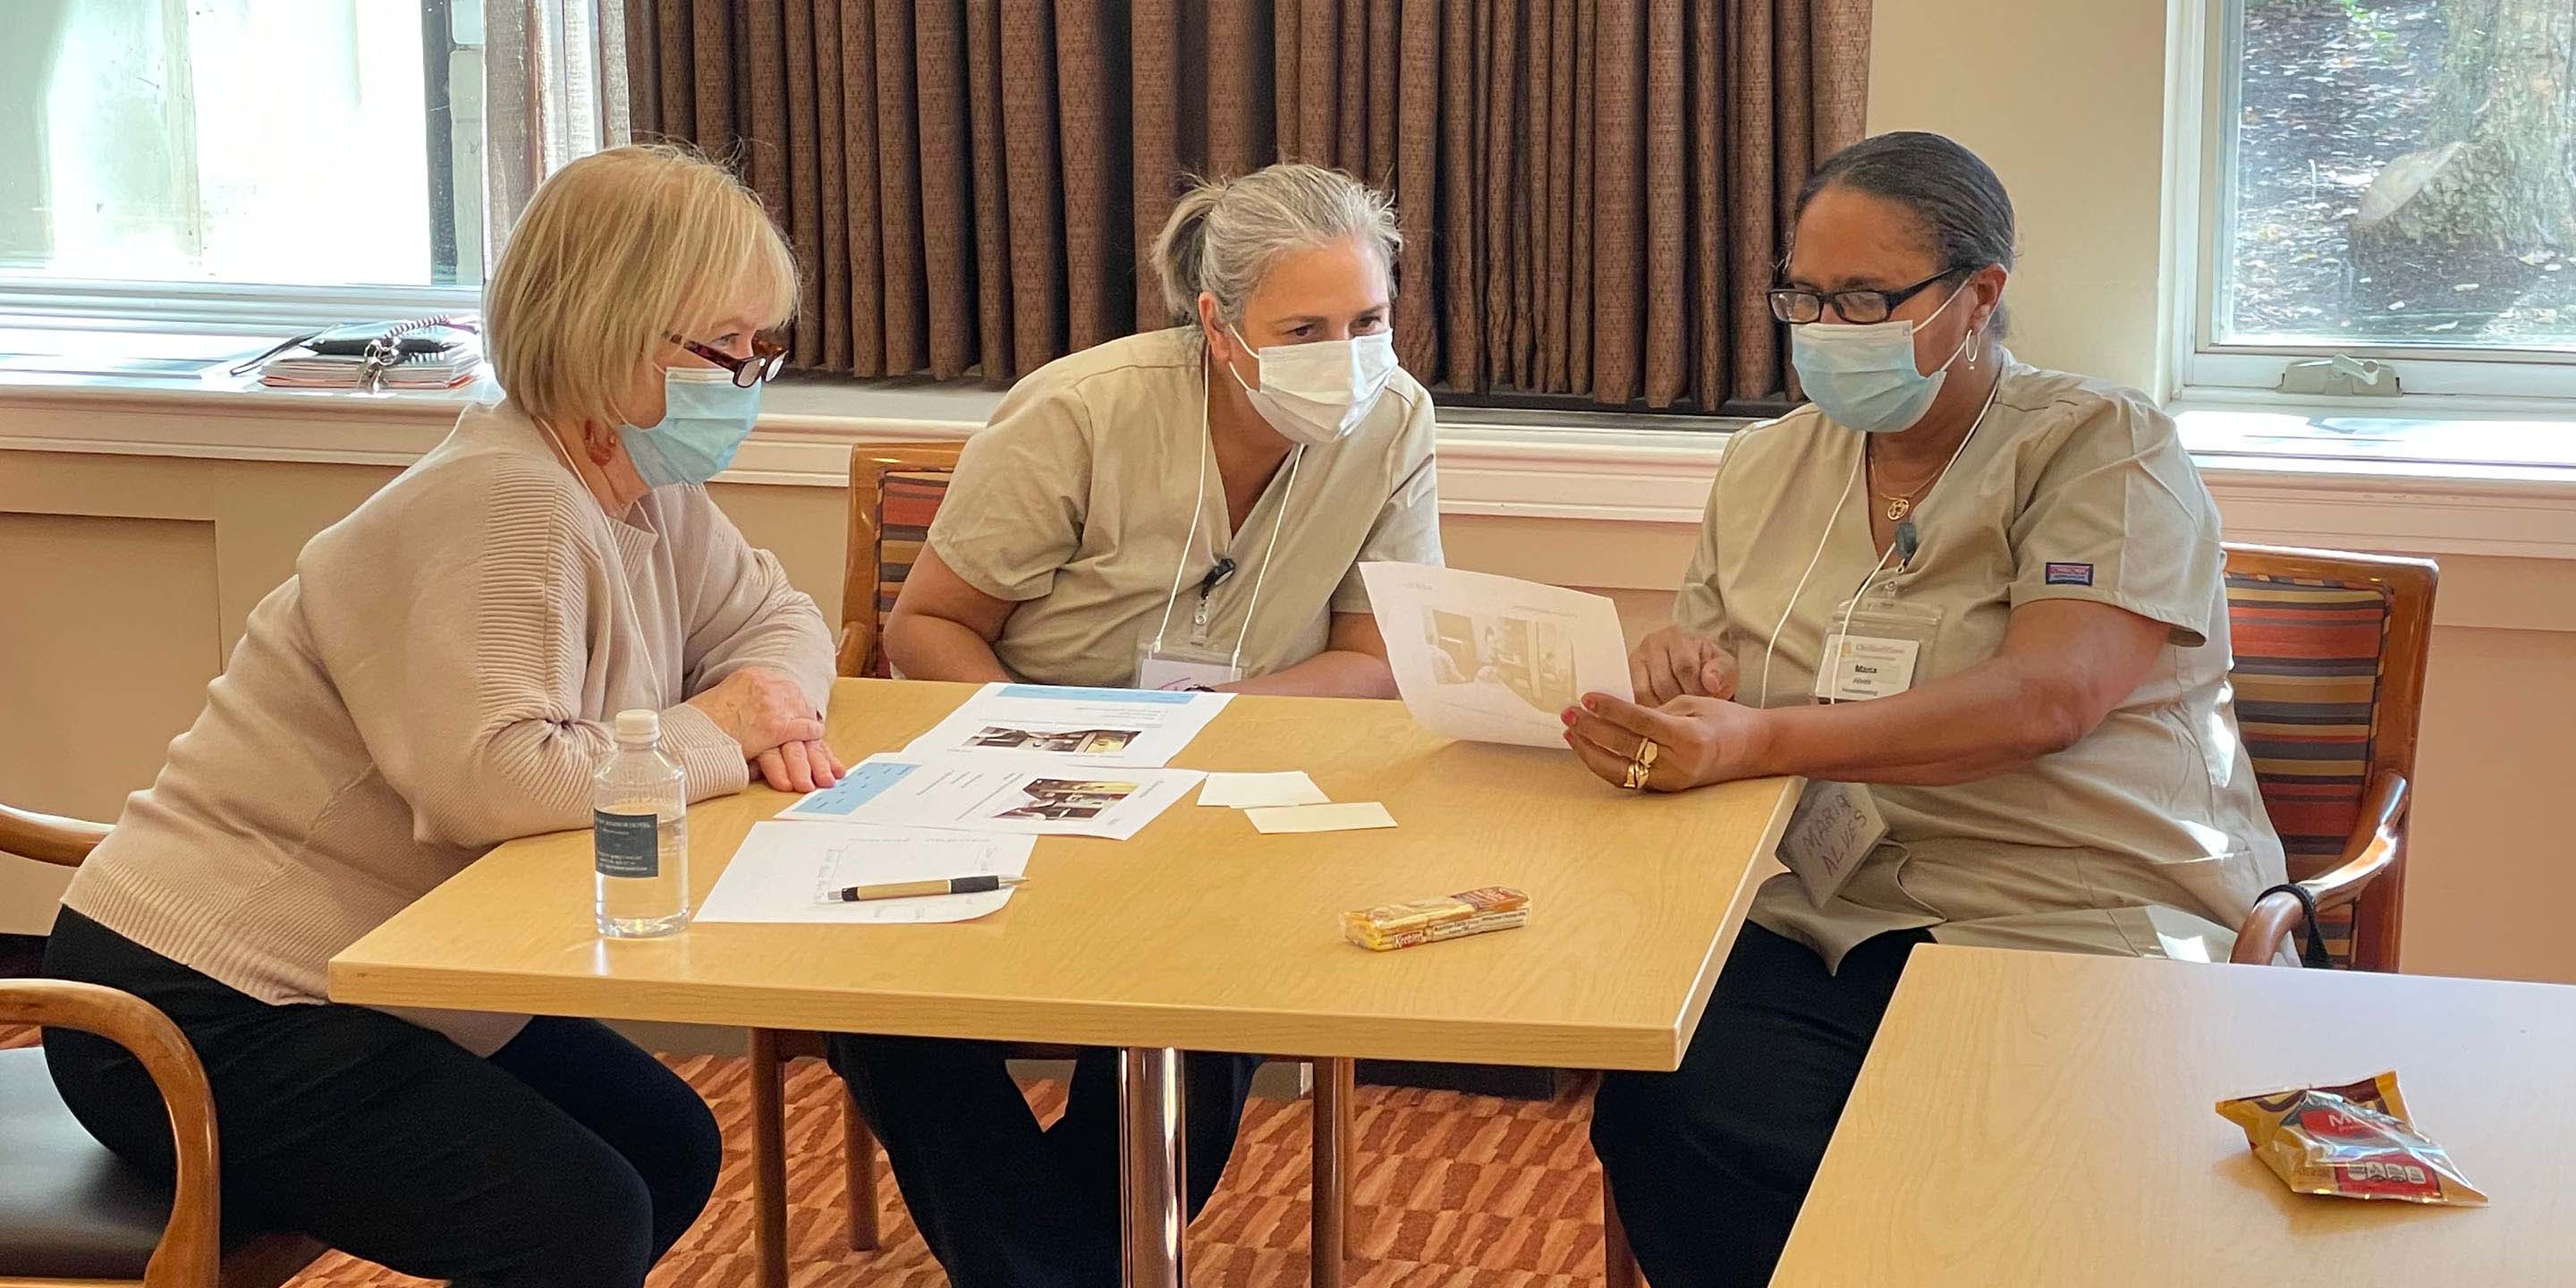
641, 725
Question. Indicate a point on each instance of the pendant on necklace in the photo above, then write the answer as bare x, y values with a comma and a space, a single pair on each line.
1897, 508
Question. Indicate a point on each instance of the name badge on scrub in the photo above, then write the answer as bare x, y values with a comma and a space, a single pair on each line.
1834, 828
1183, 668
1876, 650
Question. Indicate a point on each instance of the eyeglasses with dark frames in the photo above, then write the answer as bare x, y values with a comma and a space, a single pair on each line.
1860, 307
768, 358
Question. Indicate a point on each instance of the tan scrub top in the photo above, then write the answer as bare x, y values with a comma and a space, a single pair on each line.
2148, 838
1074, 503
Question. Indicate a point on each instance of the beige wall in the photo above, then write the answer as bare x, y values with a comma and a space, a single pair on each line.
2065, 99
139, 570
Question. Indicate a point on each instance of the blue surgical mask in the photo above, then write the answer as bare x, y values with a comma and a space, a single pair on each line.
1863, 377
705, 417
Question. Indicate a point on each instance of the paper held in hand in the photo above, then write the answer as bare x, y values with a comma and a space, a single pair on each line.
1494, 659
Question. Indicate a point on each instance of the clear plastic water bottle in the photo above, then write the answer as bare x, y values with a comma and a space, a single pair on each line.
640, 828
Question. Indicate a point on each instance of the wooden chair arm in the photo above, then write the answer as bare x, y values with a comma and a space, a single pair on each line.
191, 1248
48, 838
2371, 851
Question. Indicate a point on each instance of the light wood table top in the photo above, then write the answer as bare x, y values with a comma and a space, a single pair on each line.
1199, 933
2034, 1118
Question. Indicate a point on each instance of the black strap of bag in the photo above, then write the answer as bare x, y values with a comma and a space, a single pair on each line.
2314, 954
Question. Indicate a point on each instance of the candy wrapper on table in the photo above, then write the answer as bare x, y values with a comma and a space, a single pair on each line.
2353, 1142
1428, 921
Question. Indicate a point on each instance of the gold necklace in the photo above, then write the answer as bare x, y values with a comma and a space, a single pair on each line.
1901, 504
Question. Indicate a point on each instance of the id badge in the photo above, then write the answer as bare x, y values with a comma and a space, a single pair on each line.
1183, 668
1877, 652
1834, 828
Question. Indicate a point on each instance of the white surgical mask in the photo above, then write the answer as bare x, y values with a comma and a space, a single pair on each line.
1317, 393
1863, 377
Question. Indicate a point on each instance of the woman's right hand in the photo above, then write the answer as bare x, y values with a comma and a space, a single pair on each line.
1673, 663
763, 710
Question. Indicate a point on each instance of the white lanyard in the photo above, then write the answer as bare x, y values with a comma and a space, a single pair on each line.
643, 639
1189, 543
1826, 539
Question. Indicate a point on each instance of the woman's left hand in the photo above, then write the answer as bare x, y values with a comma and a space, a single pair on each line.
801, 766
1700, 740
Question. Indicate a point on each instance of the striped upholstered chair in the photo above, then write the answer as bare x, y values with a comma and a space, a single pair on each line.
2329, 676
895, 491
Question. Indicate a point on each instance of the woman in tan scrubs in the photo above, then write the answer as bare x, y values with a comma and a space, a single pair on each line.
1980, 606
1189, 507
1180, 509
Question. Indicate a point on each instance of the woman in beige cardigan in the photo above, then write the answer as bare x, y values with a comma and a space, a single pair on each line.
435, 679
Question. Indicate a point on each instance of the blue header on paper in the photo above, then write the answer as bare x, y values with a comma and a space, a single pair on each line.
864, 783
1146, 697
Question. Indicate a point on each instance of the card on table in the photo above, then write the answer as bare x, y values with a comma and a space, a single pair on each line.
1251, 791
1350, 817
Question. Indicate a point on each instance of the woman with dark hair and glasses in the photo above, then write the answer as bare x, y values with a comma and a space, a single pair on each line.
1980, 607
436, 678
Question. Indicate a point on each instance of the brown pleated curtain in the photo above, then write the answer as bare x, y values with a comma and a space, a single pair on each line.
1593, 193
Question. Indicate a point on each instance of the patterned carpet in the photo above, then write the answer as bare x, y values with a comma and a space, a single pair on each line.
1448, 1190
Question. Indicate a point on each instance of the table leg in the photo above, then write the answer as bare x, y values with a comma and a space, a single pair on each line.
1331, 1191
1151, 1160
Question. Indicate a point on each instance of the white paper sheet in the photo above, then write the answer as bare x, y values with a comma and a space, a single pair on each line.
1254, 791
1355, 816
1494, 659
979, 793
784, 870
1071, 726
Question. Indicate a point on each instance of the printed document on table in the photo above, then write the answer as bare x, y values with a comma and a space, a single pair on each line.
1494, 659
785, 872
1041, 722
999, 794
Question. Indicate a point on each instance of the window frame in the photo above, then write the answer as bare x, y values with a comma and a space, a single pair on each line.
2204, 103
218, 308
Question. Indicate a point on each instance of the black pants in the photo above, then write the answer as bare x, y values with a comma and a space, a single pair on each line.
569, 1158
1709, 1163
1001, 1203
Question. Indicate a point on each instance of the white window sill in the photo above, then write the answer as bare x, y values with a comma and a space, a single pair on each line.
2395, 486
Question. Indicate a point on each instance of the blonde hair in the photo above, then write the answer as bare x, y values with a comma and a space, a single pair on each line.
1224, 234
617, 252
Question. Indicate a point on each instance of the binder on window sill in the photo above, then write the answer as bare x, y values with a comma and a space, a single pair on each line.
440, 352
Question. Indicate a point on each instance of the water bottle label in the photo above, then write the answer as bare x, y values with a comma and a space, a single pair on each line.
630, 845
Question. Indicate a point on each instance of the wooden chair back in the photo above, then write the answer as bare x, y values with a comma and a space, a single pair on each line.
191, 1253
48, 838
895, 490
2329, 670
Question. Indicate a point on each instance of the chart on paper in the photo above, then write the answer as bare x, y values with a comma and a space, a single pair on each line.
1494, 659
1042, 723
1007, 794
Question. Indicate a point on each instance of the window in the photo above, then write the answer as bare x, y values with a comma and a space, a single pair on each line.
251, 158
2390, 188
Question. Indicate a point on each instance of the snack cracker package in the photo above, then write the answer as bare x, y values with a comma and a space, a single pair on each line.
2353, 1141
